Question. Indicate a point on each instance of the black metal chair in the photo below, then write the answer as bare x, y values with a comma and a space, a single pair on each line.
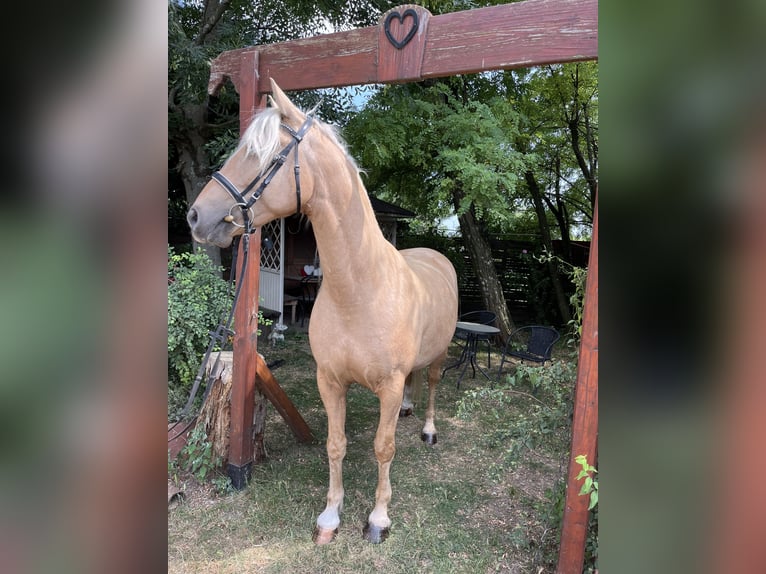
483, 318
309, 289
531, 343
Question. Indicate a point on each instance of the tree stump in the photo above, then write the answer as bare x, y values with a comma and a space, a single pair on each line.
215, 413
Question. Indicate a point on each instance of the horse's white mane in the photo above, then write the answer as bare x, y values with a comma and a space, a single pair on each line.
261, 138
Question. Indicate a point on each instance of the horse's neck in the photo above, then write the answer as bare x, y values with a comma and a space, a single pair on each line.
352, 249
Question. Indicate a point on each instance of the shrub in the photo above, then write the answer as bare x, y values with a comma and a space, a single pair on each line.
198, 297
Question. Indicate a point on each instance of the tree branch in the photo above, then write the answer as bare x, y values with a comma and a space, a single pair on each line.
210, 19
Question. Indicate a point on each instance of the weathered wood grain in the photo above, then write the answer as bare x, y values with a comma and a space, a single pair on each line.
574, 528
522, 34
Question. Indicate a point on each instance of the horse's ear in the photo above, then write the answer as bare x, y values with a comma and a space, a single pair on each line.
287, 109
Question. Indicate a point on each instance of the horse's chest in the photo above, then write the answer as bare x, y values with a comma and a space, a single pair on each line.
360, 354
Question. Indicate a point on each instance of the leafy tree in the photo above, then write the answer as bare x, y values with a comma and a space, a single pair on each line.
559, 133
489, 148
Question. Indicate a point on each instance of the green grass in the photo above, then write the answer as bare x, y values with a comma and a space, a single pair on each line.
455, 508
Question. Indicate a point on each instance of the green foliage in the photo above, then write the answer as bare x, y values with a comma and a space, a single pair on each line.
197, 455
438, 148
590, 488
590, 485
197, 300
531, 409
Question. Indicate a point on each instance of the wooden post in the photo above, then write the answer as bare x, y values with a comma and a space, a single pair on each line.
269, 386
249, 368
245, 347
245, 365
574, 526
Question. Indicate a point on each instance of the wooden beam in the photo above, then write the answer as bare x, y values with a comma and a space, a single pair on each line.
507, 36
276, 395
574, 528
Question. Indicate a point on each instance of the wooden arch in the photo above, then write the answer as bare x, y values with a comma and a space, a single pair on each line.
410, 44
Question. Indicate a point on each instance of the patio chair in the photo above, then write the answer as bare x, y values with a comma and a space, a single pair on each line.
483, 318
309, 288
531, 343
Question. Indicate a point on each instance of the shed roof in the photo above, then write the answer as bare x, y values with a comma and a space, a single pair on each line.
384, 208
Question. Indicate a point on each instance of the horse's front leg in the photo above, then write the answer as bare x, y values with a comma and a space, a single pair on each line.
333, 393
378, 524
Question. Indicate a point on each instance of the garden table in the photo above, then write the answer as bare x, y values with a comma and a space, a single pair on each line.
473, 332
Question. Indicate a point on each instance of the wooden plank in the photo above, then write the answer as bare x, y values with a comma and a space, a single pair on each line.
276, 395
574, 527
508, 36
251, 99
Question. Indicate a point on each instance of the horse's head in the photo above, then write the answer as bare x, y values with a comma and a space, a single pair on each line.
259, 182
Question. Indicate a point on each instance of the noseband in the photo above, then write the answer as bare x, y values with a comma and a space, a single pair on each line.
265, 179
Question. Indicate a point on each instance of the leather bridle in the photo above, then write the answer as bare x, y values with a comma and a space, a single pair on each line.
265, 178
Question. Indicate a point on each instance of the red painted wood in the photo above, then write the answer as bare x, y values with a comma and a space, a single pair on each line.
251, 99
402, 64
245, 356
271, 389
508, 36
248, 367
245, 347
584, 424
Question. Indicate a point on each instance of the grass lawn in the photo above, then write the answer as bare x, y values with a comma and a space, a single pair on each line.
460, 506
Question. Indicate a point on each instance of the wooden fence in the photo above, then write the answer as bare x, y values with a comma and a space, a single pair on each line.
526, 282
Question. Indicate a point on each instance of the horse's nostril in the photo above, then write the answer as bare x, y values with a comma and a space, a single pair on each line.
192, 217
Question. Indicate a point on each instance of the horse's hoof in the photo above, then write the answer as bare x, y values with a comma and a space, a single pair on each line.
375, 534
323, 535
405, 412
428, 438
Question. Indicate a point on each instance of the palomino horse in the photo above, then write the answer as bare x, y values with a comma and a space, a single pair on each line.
380, 314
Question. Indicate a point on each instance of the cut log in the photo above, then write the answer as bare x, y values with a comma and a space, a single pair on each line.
215, 414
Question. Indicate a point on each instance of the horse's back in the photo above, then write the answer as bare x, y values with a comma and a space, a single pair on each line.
440, 299
430, 265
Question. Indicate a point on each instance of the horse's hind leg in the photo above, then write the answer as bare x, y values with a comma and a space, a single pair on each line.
333, 395
406, 409
428, 435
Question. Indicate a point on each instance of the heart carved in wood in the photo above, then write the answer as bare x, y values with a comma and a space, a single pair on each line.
399, 44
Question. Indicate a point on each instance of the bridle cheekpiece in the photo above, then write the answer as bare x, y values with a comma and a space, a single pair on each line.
265, 178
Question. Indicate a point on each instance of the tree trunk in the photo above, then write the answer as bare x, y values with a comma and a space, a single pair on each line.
194, 165
484, 266
215, 414
537, 199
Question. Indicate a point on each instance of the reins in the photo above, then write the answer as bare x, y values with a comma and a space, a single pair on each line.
223, 331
